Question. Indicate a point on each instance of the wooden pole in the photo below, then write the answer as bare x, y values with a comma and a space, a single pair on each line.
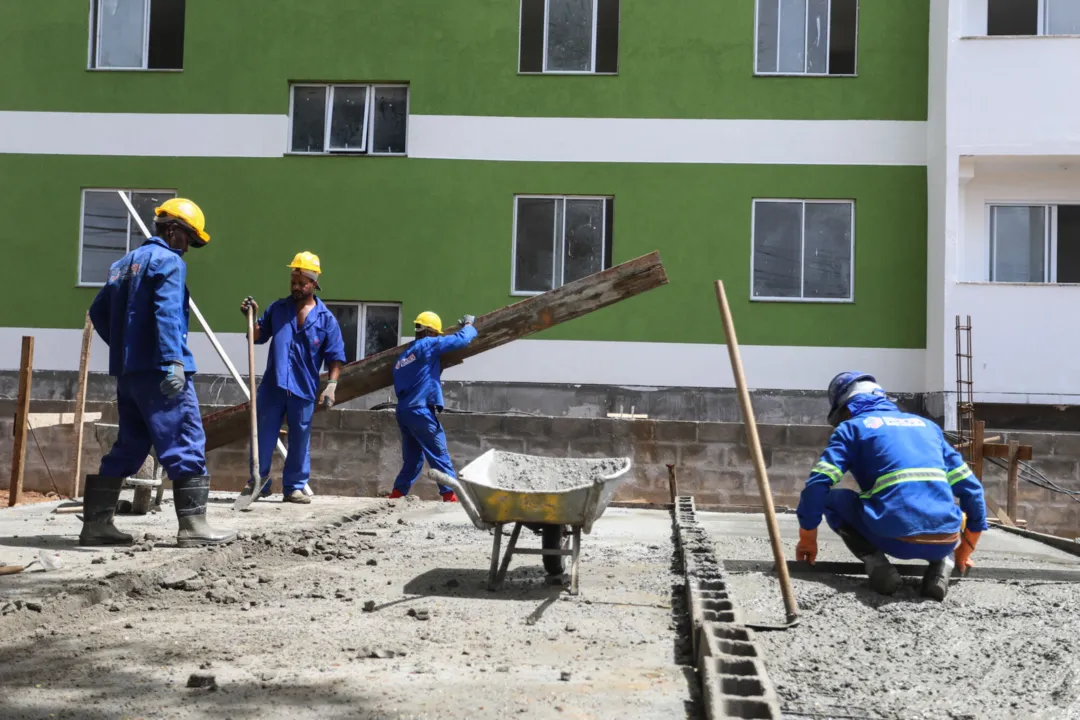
673, 483
22, 417
978, 437
1014, 479
244, 502
755, 452
80, 405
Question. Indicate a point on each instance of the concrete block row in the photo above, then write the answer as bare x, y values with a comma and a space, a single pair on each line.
734, 682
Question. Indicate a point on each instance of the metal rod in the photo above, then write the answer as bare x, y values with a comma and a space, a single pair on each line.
755, 450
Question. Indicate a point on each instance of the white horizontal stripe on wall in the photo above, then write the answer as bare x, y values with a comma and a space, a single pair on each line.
453, 137
571, 362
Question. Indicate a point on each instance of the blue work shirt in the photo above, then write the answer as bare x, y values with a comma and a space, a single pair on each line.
142, 312
907, 472
418, 371
297, 354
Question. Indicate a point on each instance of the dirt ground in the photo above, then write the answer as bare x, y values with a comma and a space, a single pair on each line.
346, 608
27, 497
991, 650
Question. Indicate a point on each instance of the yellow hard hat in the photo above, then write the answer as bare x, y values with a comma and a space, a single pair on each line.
429, 320
187, 213
306, 261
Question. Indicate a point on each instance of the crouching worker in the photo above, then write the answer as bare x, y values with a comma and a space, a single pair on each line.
908, 475
418, 384
142, 315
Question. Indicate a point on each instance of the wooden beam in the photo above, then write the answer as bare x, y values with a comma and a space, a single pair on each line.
1001, 450
22, 417
497, 328
978, 434
80, 405
1013, 487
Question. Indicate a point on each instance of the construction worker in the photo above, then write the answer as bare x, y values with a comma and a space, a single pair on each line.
908, 474
142, 315
303, 335
418, 384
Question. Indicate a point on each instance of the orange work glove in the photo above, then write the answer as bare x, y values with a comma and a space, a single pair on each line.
807, 547
968, 541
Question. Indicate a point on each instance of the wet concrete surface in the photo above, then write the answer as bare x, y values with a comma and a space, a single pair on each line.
993, 649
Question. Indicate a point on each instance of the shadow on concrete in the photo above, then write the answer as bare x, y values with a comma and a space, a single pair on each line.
521, 583
57, 677
48, 542
859, 587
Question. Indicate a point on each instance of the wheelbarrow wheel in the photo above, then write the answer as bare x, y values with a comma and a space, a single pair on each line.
552, 539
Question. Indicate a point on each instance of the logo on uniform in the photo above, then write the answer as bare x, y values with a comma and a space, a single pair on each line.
405, 361
905, 422
317, 341
873, 422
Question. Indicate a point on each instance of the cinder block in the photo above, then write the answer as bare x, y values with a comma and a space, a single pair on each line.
772, 436
814, 437
592, 448
547, 446
679, 432
798, 460
515, 445
706, 456
709, 432
336, 442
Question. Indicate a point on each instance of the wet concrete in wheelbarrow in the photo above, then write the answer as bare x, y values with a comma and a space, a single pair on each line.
991, 650
513, 471
346, 608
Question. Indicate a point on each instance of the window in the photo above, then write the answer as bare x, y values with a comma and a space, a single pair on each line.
803, 249
109, 233
356, 119
137, 34
367, 328
1035, 243
559, 239
806, 37
1033, 17
569, 36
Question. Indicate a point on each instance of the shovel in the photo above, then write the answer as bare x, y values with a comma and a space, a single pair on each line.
244, 501
47, 561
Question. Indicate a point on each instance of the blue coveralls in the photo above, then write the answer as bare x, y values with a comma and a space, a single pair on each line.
142, 315
289, 385
908, 474
418, 384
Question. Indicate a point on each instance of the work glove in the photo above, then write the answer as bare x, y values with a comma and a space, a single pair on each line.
467, 320
249, 302
327, 398
968, 541
806, 550
174, 381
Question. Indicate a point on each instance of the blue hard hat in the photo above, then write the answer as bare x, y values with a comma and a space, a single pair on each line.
840, 387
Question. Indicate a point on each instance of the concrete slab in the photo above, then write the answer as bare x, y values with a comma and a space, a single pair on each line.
991, 650
279, 618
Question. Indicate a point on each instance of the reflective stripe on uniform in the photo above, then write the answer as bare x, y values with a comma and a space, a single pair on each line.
958, 474
901, 476
830, 471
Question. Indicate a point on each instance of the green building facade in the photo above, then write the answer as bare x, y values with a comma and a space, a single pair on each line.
457, 156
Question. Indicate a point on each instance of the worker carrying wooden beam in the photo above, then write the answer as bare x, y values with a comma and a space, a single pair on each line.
418, 384
142, 315
908, 475
303, 335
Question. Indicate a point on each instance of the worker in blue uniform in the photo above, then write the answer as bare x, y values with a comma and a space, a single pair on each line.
142, 315
303, 335
908, 475
418, 384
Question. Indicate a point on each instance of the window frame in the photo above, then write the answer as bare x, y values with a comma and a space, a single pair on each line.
544, 59
93, 52
1042, 19
361, 322
802, 265
82, 223
560, 247
1050, 239
369, 118
806, 40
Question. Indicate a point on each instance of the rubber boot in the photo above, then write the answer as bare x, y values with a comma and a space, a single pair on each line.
884, 578
935, 581
99, 507
190, 495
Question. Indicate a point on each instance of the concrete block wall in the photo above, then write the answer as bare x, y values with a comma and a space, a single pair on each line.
359, 453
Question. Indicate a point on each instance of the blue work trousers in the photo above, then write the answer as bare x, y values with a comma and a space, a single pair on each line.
273, 406
844, 508
422, 438
147, 418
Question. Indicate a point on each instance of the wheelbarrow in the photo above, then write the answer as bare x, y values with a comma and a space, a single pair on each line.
558, 497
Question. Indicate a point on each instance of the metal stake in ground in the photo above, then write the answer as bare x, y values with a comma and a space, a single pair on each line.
243, 501
755, 452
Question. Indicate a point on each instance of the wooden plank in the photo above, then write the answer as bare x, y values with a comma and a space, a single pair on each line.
1001, 450
80, 405
497, 328
22, 413
1013, 487
977, 449
1000, 514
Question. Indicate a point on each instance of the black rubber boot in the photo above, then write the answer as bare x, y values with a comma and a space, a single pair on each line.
884, 578
935, 581
99, 507
190, 495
